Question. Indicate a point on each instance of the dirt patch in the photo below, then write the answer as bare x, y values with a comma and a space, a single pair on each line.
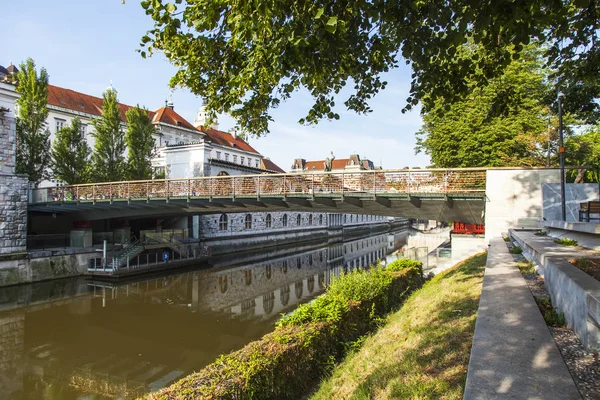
590, 266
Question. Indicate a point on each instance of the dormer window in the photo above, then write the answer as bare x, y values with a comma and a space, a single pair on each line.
178, 123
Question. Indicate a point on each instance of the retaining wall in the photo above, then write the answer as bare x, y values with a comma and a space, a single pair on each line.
572, 291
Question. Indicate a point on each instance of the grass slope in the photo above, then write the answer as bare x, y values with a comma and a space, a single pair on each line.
422, 352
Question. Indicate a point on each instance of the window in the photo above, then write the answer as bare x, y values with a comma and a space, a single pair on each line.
256, 162
223, 222
248, 221
242, 160
226, 156
284, 220
218, 155
83, 130
235, 158
310, 217
299, 220
249, 162
268, 221
60, 123
321, 219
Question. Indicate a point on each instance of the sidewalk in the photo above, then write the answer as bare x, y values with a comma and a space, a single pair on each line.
513, 354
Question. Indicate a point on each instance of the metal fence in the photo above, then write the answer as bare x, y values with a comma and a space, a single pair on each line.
434, 181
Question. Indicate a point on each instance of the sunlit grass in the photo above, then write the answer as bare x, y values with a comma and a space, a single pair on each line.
423, 350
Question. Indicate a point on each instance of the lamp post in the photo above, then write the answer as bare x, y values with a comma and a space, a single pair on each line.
561, 154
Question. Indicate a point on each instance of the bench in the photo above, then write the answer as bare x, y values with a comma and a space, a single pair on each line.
588, 208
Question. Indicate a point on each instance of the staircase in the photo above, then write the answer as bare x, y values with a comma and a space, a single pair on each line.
121, 258
168, 241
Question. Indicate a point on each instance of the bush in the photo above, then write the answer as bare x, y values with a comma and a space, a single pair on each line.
541, 233
506, 238
403, 263
566, 242
305, 345
515, 250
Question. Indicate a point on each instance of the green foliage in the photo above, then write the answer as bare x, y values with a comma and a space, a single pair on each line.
140, 144
504, 123
33, 137
160, 174
108, 162
584, 150
541, 233
305, 346
506, 239
404, 263
246, 58
515, 250
526, 267
551, 316
70, 155
566, 242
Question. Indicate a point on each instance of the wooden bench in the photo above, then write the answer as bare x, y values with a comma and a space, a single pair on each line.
588, 208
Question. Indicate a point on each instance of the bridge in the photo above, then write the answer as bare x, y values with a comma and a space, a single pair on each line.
441, 194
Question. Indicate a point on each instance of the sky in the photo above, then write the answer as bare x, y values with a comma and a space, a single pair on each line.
86, 45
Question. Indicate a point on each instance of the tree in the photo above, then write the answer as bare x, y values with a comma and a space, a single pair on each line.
33, 137
70, 155
108, 162
505, 123
140, 144
584, 151
246, 57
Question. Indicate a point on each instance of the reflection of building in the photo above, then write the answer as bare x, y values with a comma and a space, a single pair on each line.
351, 164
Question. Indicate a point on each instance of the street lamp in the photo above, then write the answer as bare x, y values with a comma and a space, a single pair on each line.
561, 154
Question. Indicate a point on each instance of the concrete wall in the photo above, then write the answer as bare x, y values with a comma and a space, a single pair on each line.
13, 191
575, 193
16, 270
514, 199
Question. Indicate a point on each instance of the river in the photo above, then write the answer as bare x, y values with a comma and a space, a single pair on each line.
83, 339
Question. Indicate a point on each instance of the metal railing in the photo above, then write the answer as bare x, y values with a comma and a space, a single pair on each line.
378, 182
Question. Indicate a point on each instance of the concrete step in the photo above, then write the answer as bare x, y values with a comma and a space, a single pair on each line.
513, 355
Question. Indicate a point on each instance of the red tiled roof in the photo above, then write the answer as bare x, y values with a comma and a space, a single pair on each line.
169, 116
76, 101
319, 165
271, 166
226, 139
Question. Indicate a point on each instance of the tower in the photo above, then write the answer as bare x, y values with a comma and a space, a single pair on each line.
202, 117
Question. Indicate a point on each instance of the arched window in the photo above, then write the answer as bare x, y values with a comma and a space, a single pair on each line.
223, 173
268, 221
299, 288
268, 302
223, 222
268, 271
321, 219
284, 267
310, 217
284, 220
298, 220
298, 263
222, 283
248, 221
284, 295
248, 276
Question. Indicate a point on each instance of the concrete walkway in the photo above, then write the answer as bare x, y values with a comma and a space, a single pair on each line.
513, 355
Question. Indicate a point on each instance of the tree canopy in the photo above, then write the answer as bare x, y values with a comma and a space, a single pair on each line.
33, 137
246, 57
70, 155
108, 160
140, 144
507, 122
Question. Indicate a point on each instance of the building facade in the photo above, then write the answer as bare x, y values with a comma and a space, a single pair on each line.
351, 164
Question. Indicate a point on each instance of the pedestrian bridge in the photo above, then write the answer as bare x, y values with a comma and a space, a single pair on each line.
440, 194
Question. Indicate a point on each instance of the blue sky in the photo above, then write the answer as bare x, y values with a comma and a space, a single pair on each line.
86, 44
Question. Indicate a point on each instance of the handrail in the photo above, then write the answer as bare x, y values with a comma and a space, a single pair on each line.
372, 182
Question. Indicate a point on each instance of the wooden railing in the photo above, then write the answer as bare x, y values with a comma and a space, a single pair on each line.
378, 182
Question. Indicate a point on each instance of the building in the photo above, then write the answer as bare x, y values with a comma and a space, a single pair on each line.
352, 164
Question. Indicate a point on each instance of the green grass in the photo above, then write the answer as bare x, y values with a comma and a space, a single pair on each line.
566, 242
549, 313
515, 250
526, 267
422, 352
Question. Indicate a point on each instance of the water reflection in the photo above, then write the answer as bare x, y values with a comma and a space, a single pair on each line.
75, 338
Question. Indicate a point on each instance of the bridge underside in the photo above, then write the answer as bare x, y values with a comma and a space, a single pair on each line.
463, 208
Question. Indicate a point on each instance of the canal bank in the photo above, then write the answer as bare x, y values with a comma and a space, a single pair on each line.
148, 332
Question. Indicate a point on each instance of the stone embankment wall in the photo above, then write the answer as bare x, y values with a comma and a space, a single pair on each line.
13, 192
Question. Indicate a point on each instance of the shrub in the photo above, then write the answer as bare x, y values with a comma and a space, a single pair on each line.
506, 238
551, 316
515, 250
566, 242
403, 263
541, 233
286, 363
